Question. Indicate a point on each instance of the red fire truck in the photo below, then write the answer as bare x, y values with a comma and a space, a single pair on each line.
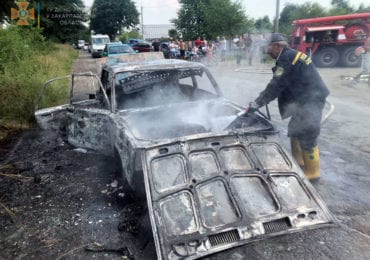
331, 40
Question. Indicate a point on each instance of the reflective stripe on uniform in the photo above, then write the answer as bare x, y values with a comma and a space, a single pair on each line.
296, 58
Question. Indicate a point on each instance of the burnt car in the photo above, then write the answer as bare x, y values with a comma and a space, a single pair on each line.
212, 180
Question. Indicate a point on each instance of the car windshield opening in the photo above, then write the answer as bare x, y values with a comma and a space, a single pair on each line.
100, 40
153, 88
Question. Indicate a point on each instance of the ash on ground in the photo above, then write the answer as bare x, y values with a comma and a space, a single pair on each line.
58, 203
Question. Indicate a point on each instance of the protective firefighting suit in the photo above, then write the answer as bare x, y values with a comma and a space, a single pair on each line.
301, 95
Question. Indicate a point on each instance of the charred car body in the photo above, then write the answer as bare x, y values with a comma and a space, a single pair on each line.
209, 185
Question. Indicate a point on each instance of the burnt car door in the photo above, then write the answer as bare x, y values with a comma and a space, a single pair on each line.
84, 119
52, 118
209, 194
90, 120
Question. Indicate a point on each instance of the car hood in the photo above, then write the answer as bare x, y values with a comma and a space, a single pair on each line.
189, 118
209, 194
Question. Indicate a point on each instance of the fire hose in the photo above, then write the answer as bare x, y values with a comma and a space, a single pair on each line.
268, 116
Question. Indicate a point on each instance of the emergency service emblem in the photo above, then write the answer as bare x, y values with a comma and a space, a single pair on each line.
279, 71
22, 14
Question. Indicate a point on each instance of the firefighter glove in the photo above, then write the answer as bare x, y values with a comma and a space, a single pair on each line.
253, 107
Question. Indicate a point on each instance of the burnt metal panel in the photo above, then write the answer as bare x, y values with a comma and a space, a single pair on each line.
216, 205
168, 172
271, 156
179, 204
224, 238
254, 195
212, 193
277, 225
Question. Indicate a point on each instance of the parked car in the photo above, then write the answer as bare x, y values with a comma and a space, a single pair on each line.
86, 46
80, 44
142, 46
116, 48
132, 41
212, 180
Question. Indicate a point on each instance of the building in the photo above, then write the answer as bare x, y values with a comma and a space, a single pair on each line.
152, 31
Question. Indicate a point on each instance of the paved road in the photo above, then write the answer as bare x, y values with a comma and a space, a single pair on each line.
345, 163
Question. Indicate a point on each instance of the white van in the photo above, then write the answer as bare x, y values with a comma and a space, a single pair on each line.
98, 42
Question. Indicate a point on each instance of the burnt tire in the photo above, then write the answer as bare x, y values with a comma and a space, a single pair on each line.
349, 59
326, 57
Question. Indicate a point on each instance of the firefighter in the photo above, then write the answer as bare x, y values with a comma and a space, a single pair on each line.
301, 96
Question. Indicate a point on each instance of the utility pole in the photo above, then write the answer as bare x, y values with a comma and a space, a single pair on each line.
142, 23
277, 16
38, 15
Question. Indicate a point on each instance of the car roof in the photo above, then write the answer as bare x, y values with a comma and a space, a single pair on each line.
99, 35
141, 42
114, 43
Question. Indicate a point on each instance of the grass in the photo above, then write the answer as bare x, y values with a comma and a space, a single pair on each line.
23, 78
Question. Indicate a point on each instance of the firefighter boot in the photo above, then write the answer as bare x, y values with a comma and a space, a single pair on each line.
297, 151
311, 160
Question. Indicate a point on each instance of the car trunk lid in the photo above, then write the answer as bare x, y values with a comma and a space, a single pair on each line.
210, 194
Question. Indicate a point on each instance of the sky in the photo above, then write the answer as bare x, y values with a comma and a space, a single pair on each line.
162, 11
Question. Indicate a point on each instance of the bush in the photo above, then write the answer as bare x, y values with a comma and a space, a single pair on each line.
26, 62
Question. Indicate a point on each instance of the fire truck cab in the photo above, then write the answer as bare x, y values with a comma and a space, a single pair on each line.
332, 40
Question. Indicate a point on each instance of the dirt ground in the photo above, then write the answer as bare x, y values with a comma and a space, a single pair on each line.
60, 202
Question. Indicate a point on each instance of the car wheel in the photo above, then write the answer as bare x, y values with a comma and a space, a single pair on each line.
349, 59
326, 57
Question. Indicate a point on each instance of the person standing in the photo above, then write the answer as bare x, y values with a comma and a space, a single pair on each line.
239, 47
156, 45
182, 48
262, 49
301, 96
223, 45
209, 53
252, 49
364, 52
198, 42
172, 47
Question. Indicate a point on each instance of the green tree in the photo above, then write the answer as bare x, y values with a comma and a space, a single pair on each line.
263, 24
133, 34
363, 9
285, 21
340, 7
211, 18
63, 21
190, 19
293, 12
225, 17
341, 4
172, 33
308, 10
112, 16
5, 10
